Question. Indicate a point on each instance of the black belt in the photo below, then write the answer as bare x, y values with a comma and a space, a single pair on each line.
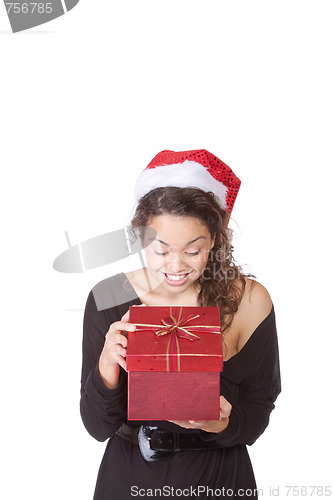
158, 444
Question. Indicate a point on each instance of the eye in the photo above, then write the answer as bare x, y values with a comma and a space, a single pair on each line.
192, 254
160, 253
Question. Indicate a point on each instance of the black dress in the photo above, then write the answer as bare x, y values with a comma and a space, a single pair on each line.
250, 381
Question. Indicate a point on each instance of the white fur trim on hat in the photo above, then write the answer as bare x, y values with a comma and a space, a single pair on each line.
186, 174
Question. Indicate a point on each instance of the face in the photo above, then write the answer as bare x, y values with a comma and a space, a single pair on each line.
179, 253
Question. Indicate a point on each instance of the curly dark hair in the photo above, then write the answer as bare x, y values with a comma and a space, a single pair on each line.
222, 283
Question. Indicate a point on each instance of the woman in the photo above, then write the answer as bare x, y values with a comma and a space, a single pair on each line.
188, 263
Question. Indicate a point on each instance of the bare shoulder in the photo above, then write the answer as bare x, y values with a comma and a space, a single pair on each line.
255, 306
256, 299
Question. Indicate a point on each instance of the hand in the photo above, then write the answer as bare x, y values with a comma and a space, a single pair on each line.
114, 351
209, 425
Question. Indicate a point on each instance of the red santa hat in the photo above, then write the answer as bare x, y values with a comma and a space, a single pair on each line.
197, 168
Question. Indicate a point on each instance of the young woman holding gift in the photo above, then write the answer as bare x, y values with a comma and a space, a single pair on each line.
187, 199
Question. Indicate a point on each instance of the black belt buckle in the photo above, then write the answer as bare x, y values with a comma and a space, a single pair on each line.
145, 441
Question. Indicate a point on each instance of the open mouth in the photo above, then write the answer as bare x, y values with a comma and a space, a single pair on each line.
176, 279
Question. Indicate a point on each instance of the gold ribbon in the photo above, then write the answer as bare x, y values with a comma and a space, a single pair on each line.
177, 328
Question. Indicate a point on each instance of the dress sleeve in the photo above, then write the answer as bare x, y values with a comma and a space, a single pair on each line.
102, 409
256, 370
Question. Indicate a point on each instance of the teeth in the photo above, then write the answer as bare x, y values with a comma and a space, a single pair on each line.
175, 277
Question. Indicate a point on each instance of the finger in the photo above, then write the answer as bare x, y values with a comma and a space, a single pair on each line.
116, 338
197, 424
118, 326
186, 424
225, 407
121, 361
181, 423
225, 412
119, 350
125, 317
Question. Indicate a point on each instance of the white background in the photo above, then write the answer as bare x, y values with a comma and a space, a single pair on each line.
86, 101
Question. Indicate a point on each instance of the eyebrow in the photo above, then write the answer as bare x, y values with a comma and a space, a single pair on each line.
189, 243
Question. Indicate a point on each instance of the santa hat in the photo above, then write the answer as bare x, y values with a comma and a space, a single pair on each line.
197, 168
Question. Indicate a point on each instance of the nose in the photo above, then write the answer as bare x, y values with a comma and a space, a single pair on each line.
173, 263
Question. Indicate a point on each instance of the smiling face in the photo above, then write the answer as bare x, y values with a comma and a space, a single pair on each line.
179, 253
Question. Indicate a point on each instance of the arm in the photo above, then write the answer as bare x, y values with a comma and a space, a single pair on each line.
103, 402
257, 375
260, 382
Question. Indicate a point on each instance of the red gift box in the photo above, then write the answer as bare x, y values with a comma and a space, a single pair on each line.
174, 360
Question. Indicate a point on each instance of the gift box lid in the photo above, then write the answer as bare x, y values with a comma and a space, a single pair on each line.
174, 339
